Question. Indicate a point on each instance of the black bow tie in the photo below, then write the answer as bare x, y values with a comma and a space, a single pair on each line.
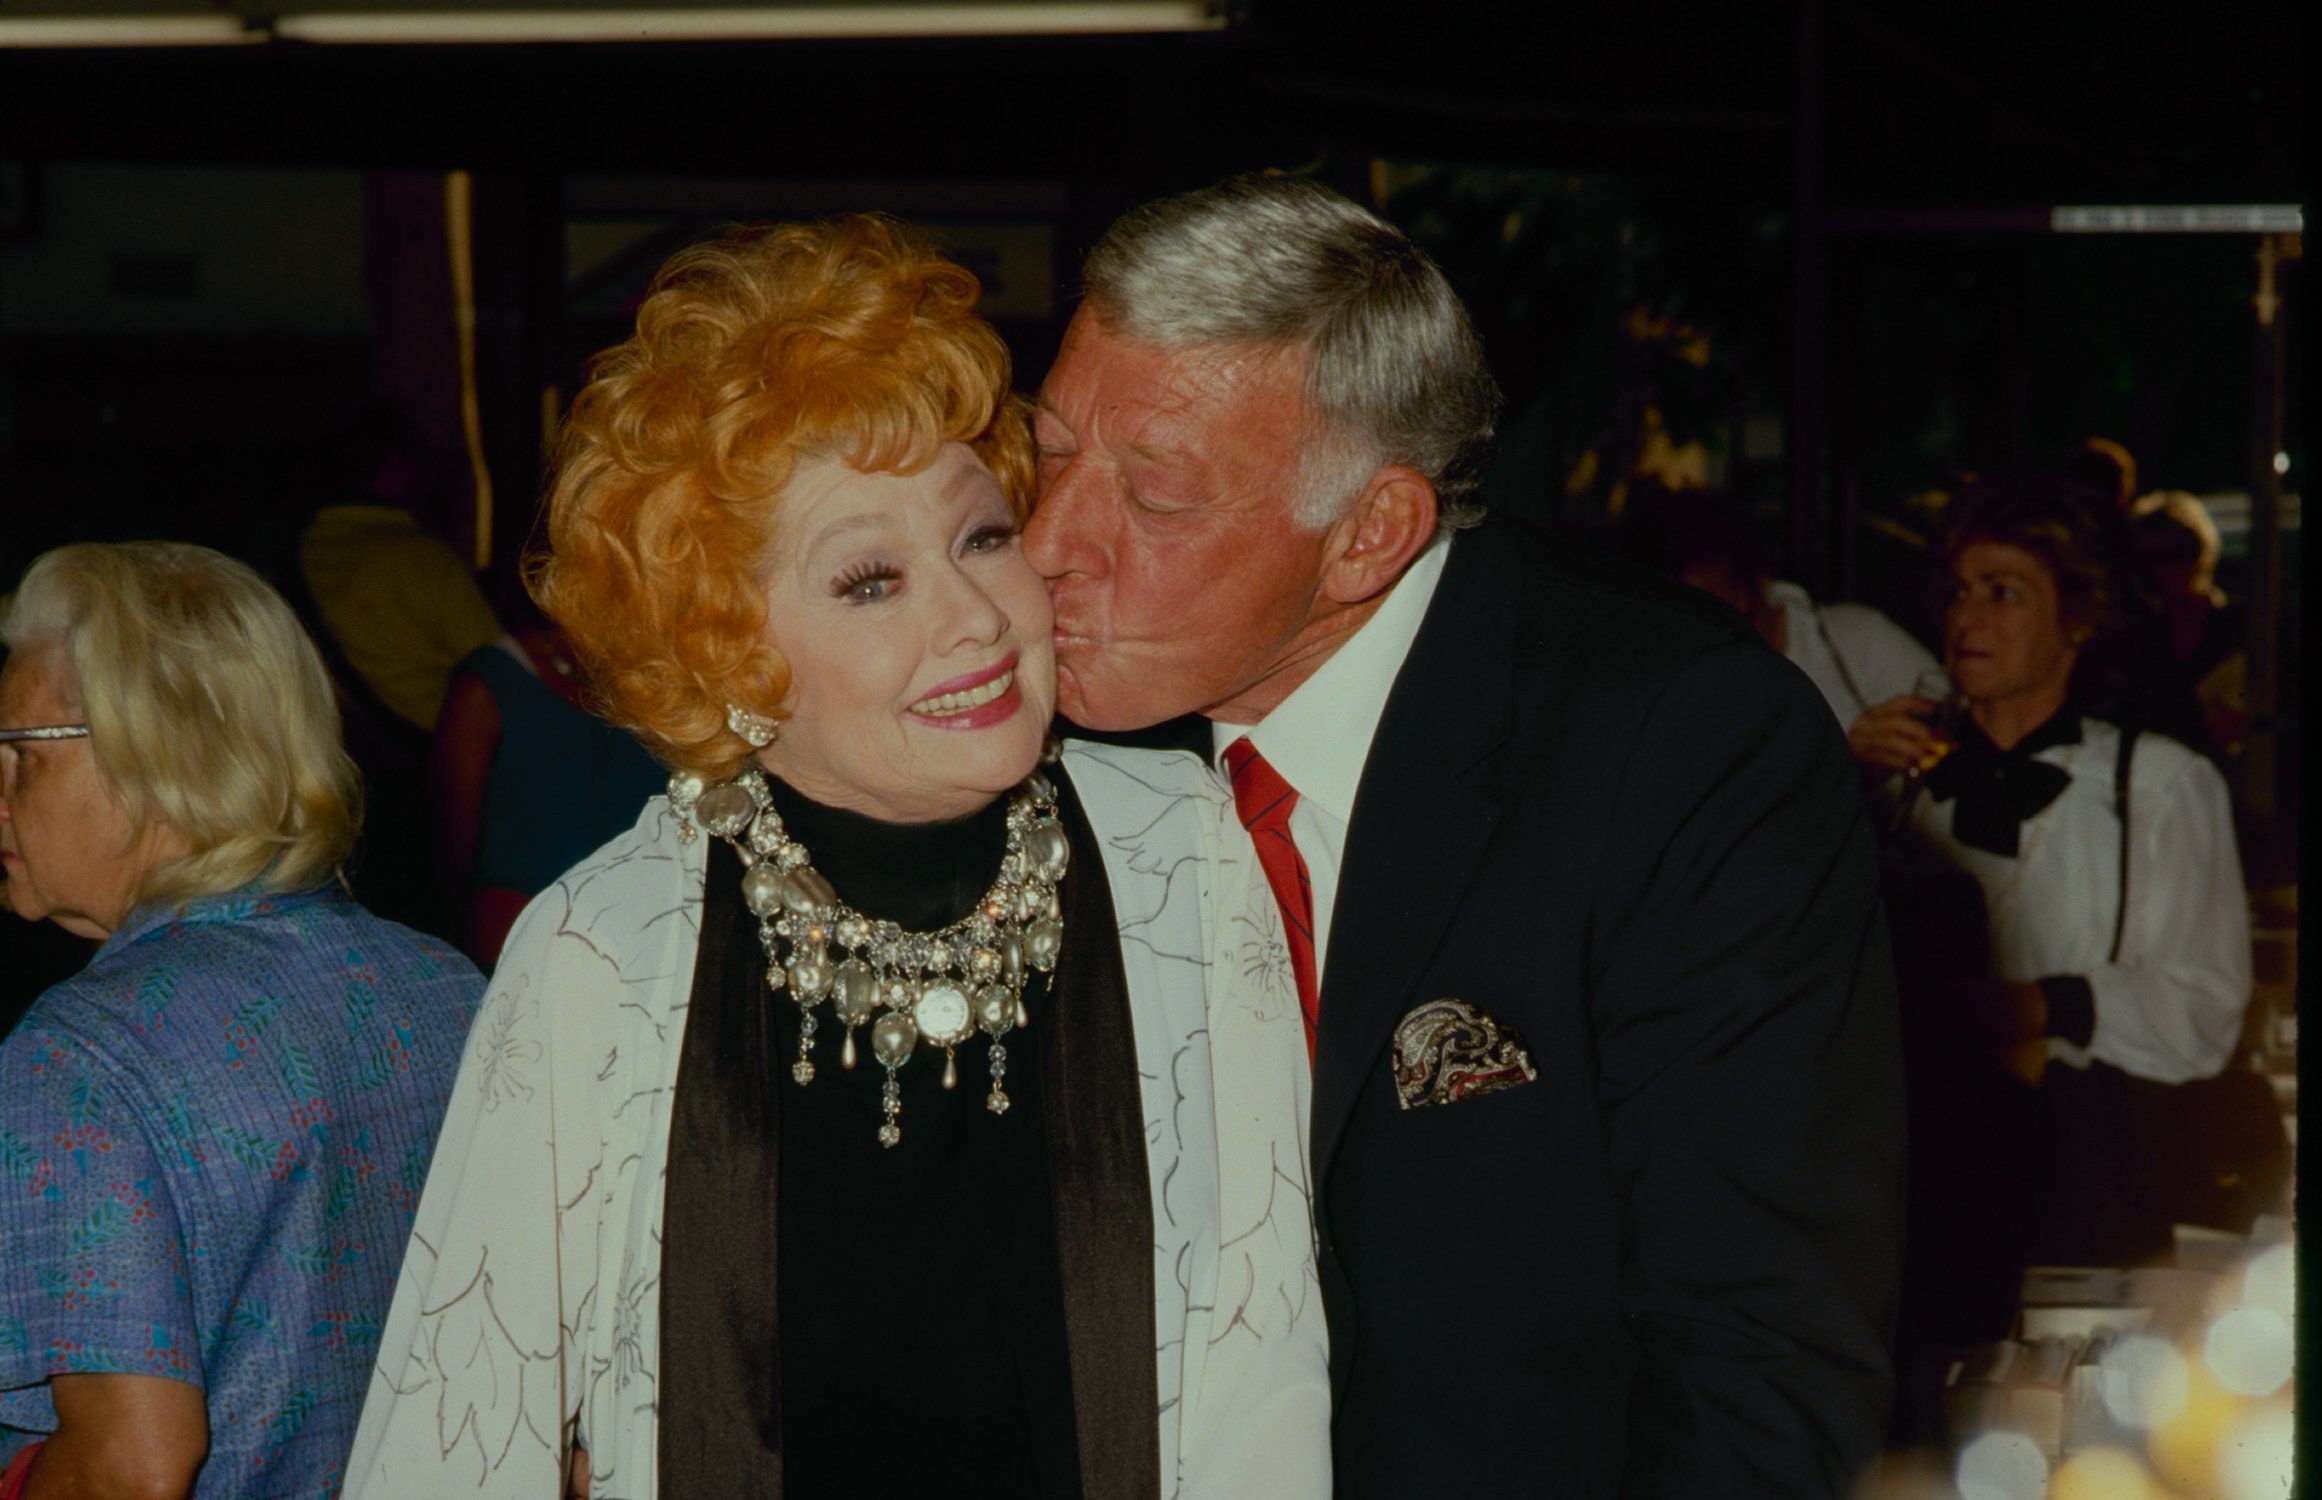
1998, 789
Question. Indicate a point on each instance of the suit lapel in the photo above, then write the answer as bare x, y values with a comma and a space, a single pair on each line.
1420, 820
1104, 1209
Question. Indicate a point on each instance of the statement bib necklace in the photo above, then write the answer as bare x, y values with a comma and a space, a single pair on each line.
938, 987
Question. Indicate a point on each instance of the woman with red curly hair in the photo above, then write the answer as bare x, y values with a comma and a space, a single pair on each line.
715, 1211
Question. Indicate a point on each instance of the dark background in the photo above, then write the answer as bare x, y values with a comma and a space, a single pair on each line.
1805, 243
1811, 185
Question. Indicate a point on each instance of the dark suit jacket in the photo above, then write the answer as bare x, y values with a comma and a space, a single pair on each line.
1601, 810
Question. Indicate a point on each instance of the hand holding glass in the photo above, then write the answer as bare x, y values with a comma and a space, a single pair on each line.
1942, 715
1942, 720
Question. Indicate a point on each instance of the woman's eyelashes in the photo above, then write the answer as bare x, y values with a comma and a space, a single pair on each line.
992, 536
866, 582
872, 580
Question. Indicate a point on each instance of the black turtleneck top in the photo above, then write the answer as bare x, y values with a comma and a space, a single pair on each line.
918, 1296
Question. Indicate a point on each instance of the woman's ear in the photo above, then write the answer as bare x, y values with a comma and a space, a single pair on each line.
1390, 523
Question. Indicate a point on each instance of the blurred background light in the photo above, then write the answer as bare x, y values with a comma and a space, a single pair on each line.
2251, 1350
2271, 1278
2144, 1381
2186, 1448
2104, 1474
2259, 1461
2002, 1466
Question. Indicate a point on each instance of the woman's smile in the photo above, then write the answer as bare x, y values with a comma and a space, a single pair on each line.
956, 704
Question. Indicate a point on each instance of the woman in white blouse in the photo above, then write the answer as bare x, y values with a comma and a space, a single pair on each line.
2096, 972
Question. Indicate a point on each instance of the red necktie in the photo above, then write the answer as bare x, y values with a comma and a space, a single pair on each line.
1264, 800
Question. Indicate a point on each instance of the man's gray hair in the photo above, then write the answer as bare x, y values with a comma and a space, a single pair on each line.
1394, 371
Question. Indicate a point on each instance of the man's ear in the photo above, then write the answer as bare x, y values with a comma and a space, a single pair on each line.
1390, 523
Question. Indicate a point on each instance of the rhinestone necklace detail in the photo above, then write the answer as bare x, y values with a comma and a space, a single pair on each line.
939, 987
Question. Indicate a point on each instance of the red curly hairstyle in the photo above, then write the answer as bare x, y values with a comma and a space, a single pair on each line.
850, 339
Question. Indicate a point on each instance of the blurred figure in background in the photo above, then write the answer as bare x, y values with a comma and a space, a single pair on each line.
2113, 914
393, 610
527, 781
398, 601
214, 1136
2104, 471
2195, 679
1855, 655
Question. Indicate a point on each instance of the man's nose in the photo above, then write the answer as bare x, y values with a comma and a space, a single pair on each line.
1058, 539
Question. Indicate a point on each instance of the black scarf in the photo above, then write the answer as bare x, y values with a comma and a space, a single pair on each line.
720, 1394
1998, 789
720, 1398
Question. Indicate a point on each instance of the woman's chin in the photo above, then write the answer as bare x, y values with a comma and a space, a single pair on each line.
1008, 772
992, 758
17, 897
952, 786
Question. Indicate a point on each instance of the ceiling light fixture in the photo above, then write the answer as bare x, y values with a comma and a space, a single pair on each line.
2179, 218
756, 23
126, 31
453, 25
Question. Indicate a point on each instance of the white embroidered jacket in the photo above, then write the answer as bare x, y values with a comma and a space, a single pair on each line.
527, 1315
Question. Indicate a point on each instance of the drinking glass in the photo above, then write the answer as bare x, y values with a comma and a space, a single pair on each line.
1936, 686
1942, 720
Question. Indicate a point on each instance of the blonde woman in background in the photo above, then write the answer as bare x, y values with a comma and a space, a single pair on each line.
213, 1137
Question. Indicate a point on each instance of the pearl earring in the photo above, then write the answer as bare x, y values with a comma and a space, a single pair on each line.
756, 732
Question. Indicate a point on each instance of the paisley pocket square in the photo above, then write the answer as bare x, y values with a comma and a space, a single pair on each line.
1447, 1051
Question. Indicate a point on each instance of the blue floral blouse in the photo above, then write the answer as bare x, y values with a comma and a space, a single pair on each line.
211, 1143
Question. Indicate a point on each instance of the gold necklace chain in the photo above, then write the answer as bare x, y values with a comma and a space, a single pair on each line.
940, 987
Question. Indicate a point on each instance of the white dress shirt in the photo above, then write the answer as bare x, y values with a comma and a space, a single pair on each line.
2169, 1007
1245, 1351
1319, 737
1244, 1358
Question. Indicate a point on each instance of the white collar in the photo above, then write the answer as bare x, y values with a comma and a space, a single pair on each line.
1319, 737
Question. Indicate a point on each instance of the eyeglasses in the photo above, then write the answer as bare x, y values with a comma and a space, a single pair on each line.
10, 755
